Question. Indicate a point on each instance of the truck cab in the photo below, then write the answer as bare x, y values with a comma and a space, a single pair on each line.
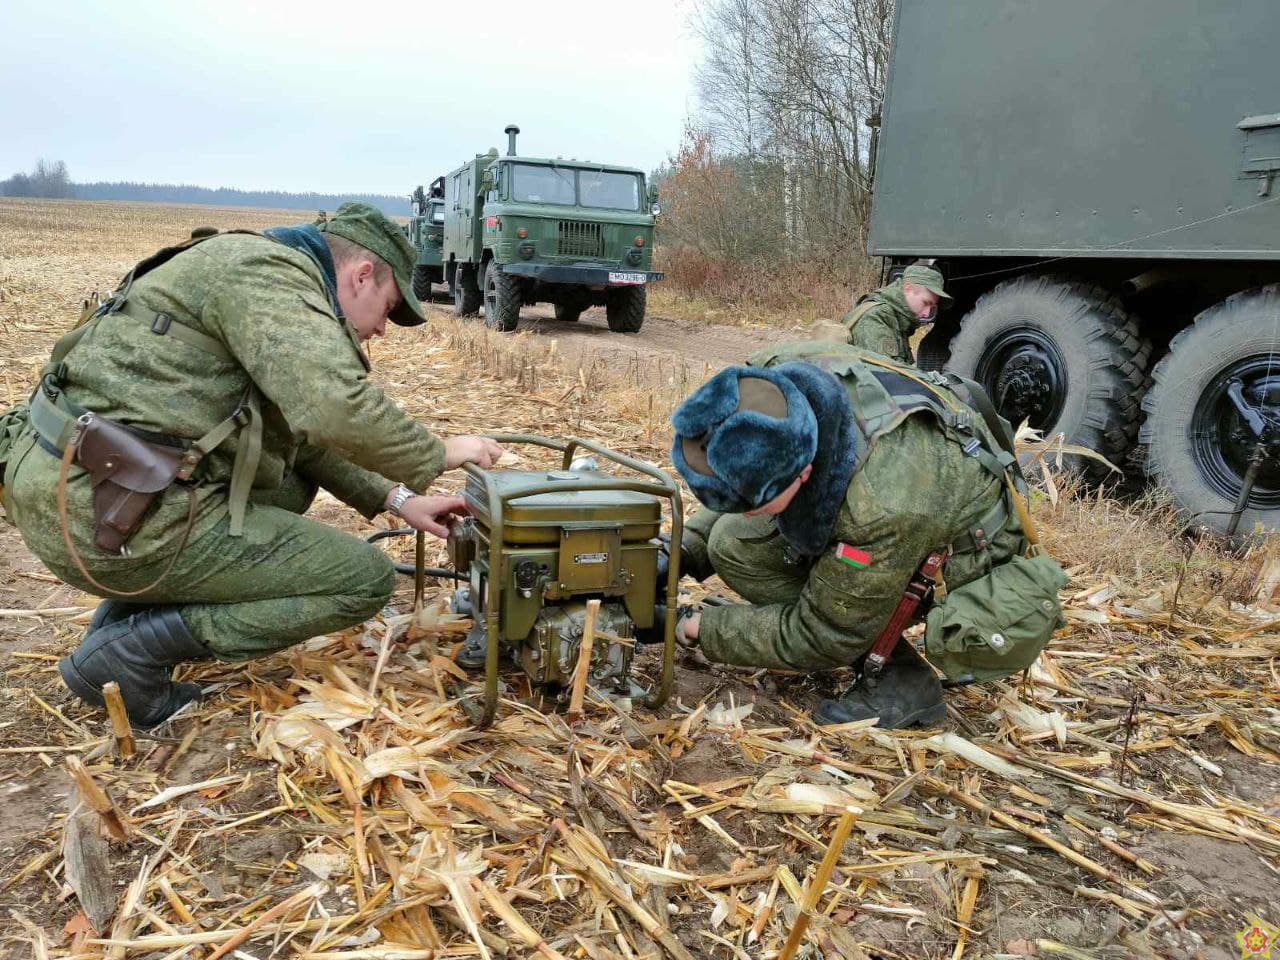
572, 233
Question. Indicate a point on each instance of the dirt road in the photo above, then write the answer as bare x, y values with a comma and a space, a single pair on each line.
662, 345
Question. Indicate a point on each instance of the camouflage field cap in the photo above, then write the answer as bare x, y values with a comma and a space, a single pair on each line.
926, 277
369, 227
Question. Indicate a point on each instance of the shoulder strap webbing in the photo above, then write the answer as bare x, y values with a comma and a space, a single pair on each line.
1002, 462
245, 421
858, 312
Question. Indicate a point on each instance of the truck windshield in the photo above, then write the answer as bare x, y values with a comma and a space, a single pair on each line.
436, 211
614, 191
538, 184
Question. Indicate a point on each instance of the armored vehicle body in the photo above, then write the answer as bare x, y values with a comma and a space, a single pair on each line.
522, 230
1097, 183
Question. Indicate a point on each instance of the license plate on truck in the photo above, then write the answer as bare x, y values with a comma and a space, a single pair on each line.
626, 278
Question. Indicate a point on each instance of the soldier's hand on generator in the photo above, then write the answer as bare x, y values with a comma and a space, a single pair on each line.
433, 514
481, 451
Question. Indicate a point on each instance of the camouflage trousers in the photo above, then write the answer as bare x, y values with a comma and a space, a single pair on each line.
287, 579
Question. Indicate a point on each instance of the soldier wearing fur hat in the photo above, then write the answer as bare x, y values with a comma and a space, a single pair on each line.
884, 321
179, 433
827, 476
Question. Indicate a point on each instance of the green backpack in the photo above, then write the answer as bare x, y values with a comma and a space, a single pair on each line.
996, 625
12, 423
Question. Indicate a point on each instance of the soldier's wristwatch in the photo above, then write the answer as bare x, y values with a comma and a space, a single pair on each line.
399, 496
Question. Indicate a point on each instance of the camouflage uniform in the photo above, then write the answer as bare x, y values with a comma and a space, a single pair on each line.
287, 578
882, 323
913, 490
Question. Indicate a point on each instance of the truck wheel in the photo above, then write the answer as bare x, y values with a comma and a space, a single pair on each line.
466, 295
934, 349
624, 308
567, 313
1198, 444
422, 282
1061, 355
501, 299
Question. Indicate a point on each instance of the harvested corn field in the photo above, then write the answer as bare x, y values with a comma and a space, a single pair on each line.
1122, 800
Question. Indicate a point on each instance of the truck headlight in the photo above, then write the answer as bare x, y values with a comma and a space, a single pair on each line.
526, 250
633, 256
655, 208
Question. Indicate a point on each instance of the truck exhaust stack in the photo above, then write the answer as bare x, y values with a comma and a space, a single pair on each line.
511, 132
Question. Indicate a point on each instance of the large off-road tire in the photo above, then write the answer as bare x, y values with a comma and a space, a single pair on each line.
422, 282
934, 349
1198, 445
501, 299
624, 308
1062, 355
466, 293
568, 313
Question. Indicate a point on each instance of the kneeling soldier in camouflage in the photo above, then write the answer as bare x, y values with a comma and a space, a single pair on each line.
836, 486
178, 434
884, 321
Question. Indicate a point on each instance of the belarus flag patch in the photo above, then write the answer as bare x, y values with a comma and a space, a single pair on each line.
853, 556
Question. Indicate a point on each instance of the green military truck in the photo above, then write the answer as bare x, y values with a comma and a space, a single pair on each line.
426, 233
1097, 183
520, 230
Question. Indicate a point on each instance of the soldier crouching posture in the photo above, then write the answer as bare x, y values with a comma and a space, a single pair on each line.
829, 477
178, 434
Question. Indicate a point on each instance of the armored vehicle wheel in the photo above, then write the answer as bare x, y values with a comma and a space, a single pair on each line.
567, 313
501, 299
466, 294
1062, 356
422, 282
1215, 408
624, 308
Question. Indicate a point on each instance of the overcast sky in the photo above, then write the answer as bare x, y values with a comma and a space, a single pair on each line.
372, 96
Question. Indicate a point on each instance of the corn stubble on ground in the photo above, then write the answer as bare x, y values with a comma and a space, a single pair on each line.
1123, 800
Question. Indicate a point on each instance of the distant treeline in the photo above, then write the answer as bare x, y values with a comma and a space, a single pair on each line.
50, 179
228, 197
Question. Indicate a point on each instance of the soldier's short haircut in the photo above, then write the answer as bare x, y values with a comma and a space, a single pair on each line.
344, 251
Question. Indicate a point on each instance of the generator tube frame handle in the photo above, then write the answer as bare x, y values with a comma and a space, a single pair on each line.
482, 715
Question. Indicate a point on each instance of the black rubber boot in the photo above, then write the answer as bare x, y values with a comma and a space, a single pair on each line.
109, 611
906, 694
139, 653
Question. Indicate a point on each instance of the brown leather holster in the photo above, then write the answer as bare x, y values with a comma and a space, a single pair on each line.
127, 473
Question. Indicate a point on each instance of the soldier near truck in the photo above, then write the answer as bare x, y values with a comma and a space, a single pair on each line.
838, 489
885, 320
177, 437
1103, 206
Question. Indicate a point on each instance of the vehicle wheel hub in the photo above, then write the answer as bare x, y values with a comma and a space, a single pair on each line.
1026, 377
1224, 439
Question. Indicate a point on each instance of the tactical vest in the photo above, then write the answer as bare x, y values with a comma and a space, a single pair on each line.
53, 416
885, 394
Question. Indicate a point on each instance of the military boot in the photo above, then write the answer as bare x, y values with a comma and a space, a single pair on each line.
907, 693
109, 611
139, 653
